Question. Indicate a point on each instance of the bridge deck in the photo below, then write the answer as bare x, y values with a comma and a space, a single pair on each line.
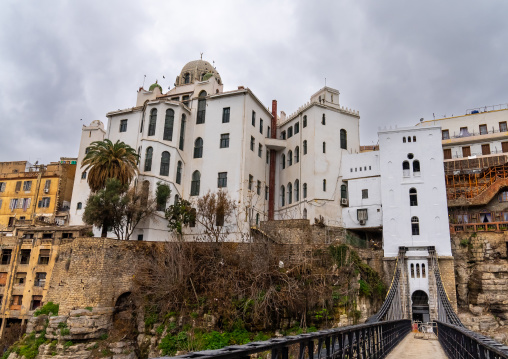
411, 347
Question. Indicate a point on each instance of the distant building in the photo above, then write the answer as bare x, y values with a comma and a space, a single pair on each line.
475, 150
30, 193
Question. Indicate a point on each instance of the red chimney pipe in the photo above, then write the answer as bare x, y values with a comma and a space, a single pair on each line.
271, 186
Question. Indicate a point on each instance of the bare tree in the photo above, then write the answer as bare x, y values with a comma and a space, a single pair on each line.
216, 214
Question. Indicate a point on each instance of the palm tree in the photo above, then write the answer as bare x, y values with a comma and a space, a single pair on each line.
106, 160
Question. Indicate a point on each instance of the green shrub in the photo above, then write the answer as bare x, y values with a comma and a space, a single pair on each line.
214, 340
68, 344
261, 337
89, 308
62, 325
49, 308
194, 315
65, 331
103, 336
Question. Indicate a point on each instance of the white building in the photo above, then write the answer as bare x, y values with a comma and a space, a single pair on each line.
197, 138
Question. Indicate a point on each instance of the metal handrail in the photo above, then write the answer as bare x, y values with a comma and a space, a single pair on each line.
365, 341
462, 343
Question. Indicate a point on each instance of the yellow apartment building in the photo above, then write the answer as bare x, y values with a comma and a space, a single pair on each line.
35, 193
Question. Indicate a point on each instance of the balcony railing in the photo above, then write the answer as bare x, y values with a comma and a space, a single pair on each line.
480, 227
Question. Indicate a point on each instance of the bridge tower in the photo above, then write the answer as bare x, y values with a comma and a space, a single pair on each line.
415, 223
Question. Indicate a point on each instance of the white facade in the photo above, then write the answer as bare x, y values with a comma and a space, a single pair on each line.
362, 206
188, 125
418, 219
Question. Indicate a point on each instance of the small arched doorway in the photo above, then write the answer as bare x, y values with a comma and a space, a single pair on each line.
420, 306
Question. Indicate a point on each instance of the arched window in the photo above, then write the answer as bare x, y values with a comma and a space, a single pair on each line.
79, 205
196, 179
417, 270
405, 168
153, 122
179, 172
323, 120
305, 213
414, 138
324, 185
416, 166
290, 193
408, 138
168, 125
164, 171
290, 132
297, 128
404, 139
283, 161
297, 190
182, 132
305, 147
186, 78
423, 270
290, 160
198, 148
324, 147
343, 191
343, 139
413, 197
304, 121
305, 190
282, 196
415, 226
297, 154
201, 107
148, 159
412, 270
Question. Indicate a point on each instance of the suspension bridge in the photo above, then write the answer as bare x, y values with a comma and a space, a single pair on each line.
390, 333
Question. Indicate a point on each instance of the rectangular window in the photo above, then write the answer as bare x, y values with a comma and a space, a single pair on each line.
47, 186
20, 278
225, 114
43, 256
6, 256
1, 203
483, 130
27, 186
266, 193
123, 125
486, 149
252, 143
3, 279
324, 147
18, 186
466, 151
445, 134
258, 188
222, 180
224, 140
297, 128
2, 186
447, 152
464, 132
36, 302
251, 179
253, 118
290, 132
503, 127
283, 135
67, 235
365, 193
267, 161
83, 175
44, 202
504, 147
361, 214
16, 302
260, 150
503, 196
261, 126
24, 256
268, 132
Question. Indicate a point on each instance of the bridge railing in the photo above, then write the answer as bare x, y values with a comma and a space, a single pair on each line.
461, 343
365, 341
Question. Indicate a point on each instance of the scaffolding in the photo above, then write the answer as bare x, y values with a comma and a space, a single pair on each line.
468, 178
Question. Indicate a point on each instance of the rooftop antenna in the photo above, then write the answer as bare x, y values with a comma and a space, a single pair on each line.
325, 81
201, 55
143, 81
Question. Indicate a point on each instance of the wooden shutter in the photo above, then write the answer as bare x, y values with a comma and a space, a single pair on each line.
447, 152
486, 149
504, 146
466, 151
3, 279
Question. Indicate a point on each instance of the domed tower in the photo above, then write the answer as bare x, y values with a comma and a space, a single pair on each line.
196, 71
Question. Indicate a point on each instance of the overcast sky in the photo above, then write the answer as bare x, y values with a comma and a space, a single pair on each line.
66, 63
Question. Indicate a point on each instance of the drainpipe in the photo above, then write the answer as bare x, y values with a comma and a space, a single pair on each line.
271, 188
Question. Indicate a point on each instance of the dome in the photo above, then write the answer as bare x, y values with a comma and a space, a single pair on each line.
197, 70
153, 86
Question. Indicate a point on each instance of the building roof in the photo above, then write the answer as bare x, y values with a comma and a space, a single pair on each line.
197, 68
